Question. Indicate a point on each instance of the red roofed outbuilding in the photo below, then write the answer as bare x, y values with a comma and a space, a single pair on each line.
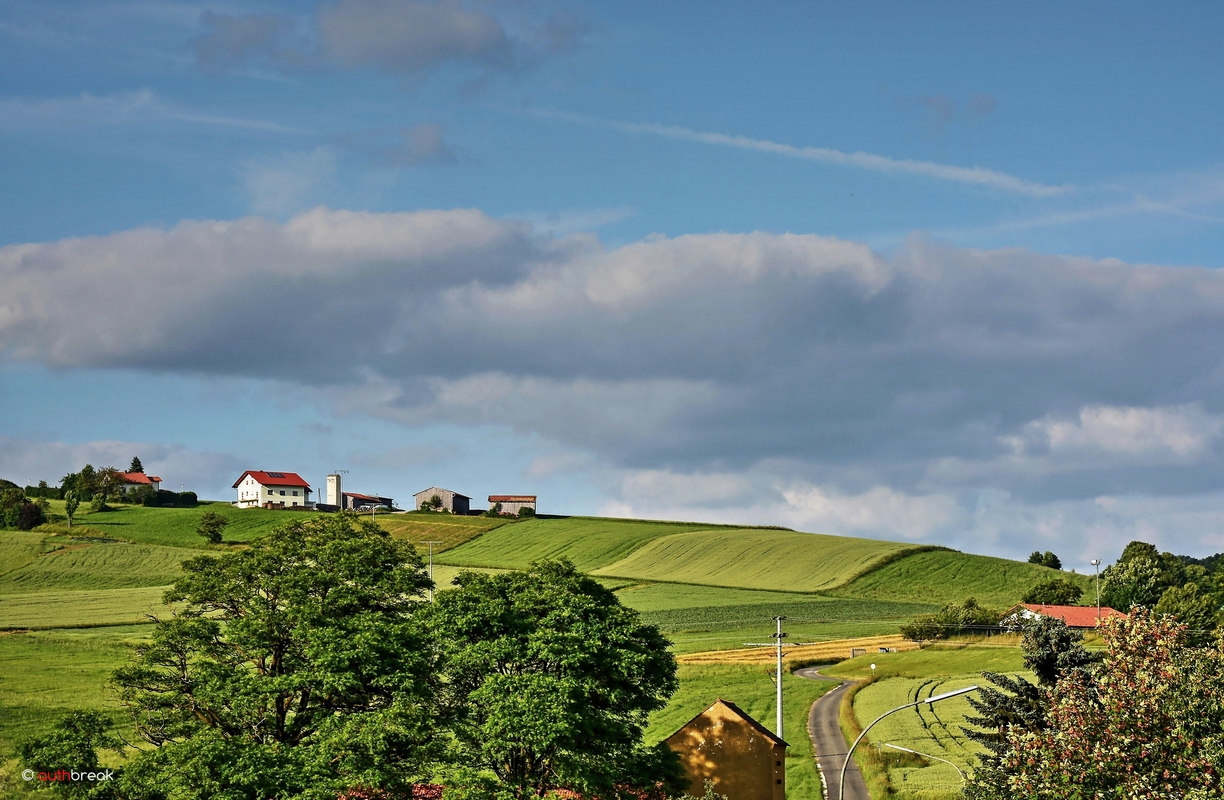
134, 480
512, 503
268, 489
1081, 617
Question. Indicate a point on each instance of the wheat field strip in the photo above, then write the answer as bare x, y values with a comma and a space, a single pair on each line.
834, 650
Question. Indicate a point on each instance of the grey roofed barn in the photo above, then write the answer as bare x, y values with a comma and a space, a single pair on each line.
452, 501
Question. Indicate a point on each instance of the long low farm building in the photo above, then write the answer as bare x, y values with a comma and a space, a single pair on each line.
512, 503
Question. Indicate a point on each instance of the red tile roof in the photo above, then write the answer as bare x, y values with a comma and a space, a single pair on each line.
512, 498
273, 478
138, 477
1074, 616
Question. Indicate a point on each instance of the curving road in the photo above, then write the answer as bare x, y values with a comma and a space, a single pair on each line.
828, 742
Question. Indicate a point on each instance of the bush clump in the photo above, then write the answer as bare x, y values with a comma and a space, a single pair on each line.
954, 619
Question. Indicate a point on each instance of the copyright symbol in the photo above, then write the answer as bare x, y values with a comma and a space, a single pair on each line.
27, 774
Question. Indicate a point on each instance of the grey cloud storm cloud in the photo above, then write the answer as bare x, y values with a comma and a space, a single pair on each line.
401, 37
932, 372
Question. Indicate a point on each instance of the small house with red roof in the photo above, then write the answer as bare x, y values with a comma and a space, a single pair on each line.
134, 480
1078, 617
266, 489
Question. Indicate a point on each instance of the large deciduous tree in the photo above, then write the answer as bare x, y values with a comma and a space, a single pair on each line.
549, 681
1147, 724
295, 668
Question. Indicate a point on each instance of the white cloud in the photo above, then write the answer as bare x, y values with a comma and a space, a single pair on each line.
873, 162
873, 389
290, 182
878, 511
138, 107
1179, 432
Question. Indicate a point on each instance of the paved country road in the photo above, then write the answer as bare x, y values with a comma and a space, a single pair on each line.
828, 742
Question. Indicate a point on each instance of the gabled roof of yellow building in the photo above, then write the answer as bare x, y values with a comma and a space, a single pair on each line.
739, 712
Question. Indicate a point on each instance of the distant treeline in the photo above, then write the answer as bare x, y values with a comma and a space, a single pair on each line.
100, 485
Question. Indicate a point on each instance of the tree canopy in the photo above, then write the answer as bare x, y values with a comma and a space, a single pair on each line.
308, 666
1046, 559
1148, 723
1054, 592
296, 668
549, 682
952, 620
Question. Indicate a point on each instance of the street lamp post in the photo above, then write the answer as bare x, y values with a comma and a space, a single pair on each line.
841, 783
431, 588
1096, 564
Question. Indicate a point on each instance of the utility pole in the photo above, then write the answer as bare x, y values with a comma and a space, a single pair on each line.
779, 636
431, 588
1096, 563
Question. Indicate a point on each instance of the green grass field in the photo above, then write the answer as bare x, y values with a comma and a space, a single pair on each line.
46, 674
448, 531
175, 527
932, 729
751, 689
994, 582
588, 542
40, 563
698, 618
81, 609
83, 596
753, 559
936, 661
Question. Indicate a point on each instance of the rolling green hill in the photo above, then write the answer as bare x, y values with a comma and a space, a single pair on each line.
754, 559
60, 562
589, 542
938, 576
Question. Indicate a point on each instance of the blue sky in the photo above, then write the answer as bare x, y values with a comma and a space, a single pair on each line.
937, 272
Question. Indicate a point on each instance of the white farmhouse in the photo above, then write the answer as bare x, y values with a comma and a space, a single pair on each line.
258, 489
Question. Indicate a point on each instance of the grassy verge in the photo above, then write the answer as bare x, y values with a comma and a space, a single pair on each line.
752, 690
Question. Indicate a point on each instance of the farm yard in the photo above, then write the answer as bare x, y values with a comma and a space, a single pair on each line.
74, 602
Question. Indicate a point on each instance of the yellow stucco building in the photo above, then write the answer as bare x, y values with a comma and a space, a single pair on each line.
745, 759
